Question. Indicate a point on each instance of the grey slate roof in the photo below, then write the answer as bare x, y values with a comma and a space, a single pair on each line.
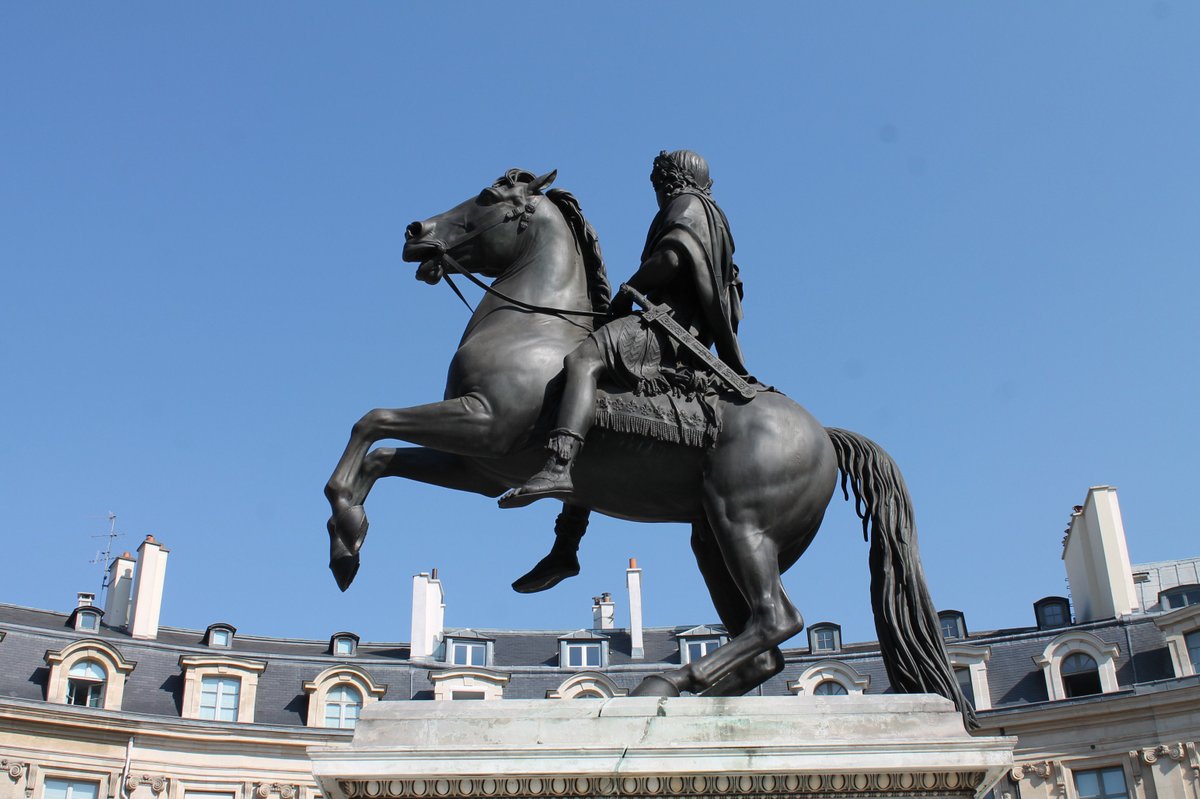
530, 658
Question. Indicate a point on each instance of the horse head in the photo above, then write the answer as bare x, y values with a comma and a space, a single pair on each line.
501, 211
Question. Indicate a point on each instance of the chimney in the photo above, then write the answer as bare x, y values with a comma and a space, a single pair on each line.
633, 582
603, 611
428, 614
84, 598
1097, 559
146, 602
120, 587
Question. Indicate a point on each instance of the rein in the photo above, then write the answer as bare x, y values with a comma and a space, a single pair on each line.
457, 267
447, 260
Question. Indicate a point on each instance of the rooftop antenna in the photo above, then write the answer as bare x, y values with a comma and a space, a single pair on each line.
104, 557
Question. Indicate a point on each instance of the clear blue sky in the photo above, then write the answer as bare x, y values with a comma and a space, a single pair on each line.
969, 231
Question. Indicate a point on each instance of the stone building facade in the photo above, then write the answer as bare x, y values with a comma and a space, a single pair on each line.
1102, 691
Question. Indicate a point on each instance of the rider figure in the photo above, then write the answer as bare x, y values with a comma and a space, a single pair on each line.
687, 265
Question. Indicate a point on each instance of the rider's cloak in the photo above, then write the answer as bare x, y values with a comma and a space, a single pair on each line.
692, 224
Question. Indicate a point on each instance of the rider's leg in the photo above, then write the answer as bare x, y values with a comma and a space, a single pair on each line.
562, 561
576, 413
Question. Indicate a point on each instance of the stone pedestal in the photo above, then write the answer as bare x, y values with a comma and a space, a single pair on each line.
873, 747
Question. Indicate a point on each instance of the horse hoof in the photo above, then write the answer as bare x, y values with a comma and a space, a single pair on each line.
655, 686
344, 568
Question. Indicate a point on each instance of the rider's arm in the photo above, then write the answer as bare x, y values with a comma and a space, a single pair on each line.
657, 270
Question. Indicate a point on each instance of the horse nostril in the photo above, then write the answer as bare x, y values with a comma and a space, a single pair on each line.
413, 231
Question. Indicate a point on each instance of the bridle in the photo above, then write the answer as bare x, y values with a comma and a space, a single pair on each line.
522, 217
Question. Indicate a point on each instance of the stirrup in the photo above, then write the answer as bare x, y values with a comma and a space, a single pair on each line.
553, 489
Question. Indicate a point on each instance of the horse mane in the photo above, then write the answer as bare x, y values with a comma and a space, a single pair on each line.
588, 245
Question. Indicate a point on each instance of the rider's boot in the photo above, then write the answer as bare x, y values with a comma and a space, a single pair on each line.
554, 480
562, 561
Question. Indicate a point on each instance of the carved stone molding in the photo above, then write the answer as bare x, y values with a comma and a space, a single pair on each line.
1041, 769
264, 790
827, 785
15, 770
1047, 770
1175, 751
157, 782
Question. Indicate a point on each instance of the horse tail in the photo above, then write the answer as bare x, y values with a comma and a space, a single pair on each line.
910, 638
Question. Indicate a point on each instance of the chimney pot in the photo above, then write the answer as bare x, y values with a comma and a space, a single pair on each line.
603, 612
84, 598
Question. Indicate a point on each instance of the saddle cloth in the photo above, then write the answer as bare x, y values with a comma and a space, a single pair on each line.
692, 420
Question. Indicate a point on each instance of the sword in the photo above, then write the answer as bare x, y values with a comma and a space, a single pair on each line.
661, 315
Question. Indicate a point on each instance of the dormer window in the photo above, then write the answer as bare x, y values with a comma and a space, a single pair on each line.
85, 684
697, 642
830, 688
468, 653
220, 636
1179, 597
88, 673
953, 625
468, 648
87, 619
583, 649
1078, 663
824, 637
1051, 612
343, 645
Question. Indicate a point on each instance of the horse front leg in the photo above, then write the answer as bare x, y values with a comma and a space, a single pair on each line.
464, 427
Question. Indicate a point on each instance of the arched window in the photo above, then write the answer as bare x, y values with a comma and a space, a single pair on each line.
342, 705
85, 684
586, 685
1080, 675
1051, 612
87, 673
829, 678
1181, 629
830, 688
1179, 597
337, 696
953, 624
1078, 663
824, 637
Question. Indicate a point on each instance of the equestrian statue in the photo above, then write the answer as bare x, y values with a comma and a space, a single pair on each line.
560, 391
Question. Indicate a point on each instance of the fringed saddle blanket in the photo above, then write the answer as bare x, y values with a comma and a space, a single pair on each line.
691, 420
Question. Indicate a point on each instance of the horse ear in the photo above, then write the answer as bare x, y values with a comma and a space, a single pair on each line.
545, 180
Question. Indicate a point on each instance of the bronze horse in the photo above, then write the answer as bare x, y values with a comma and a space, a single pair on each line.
754, 500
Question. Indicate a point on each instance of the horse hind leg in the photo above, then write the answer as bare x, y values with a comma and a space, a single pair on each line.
740, 563
734, 613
